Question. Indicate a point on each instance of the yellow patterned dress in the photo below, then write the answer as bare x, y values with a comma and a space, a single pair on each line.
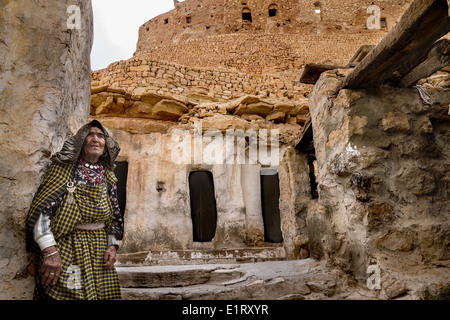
80, 203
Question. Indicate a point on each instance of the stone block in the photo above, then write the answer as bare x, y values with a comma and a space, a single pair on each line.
276, 117
260, 108
169, 109
151, 98
396, 241
139, 109
395, 122
98, 89
140, 68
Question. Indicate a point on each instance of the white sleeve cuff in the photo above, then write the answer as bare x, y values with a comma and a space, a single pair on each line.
112, 241
42, 233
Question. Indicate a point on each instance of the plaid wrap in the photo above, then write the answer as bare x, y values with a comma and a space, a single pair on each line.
83, 276
81, 251
52, 187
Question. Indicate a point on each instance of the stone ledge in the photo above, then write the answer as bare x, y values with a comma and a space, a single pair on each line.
186, 257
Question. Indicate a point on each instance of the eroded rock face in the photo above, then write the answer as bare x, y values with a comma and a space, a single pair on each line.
44, 96
383, 176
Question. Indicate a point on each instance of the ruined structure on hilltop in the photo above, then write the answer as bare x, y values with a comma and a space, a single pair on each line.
262, 36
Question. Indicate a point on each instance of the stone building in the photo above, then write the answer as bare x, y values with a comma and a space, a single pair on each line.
262, 36
225, 69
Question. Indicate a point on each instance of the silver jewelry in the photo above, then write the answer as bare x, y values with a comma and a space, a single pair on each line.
101, 196
51, 254
71, 190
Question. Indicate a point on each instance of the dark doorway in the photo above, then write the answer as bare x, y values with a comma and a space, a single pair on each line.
270, 197
306, 146
272, 10
246, 15
203, 205
121, 172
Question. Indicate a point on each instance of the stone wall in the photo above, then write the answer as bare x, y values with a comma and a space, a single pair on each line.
196, 19
383, 174
167, 91
140, 75
44, 96
254, 53
158, 214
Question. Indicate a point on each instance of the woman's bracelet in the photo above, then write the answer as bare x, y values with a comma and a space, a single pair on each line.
51, 254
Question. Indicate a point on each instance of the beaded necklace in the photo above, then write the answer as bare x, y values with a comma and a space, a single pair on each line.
96, 171
93, 173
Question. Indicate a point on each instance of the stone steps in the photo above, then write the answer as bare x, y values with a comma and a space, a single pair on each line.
176, 276
201, 256
300, 279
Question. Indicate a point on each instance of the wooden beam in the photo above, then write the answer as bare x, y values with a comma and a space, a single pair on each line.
404, 47
362, 52
312, 71
438, 58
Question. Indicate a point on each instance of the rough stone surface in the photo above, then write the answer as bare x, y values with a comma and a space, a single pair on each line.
294, 280
383, 183
211, 33
158, 208
44, 96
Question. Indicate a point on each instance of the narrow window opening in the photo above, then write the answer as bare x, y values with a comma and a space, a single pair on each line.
383, 24
166, 21
312, 175
188, 19
203, 205
273, 10
121, 172
247, 15
270, 198
317, 7
306, 146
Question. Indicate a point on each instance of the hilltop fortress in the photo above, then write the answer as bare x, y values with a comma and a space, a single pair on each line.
264, 36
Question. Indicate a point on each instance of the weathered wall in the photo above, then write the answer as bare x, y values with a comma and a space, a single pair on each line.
383, 174
262, 53
140, 75
211, 33
158, 215
194, 19
44, 95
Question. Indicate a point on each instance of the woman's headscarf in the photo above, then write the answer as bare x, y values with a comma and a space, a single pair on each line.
71, 149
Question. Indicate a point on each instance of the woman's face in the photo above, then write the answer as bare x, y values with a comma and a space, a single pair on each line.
94, 145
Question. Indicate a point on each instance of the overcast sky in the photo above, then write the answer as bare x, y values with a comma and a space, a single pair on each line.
116, 26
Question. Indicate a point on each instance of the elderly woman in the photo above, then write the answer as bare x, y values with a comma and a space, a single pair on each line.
74, 220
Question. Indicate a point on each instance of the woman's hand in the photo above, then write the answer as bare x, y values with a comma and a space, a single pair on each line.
110, 257
51, 266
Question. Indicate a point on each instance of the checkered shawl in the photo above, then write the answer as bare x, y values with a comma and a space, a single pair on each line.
52, 187
62, 171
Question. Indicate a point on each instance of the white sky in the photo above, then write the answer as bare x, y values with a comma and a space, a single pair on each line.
116, 26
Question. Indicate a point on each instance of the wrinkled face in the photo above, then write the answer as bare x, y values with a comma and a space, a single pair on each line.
94, 145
